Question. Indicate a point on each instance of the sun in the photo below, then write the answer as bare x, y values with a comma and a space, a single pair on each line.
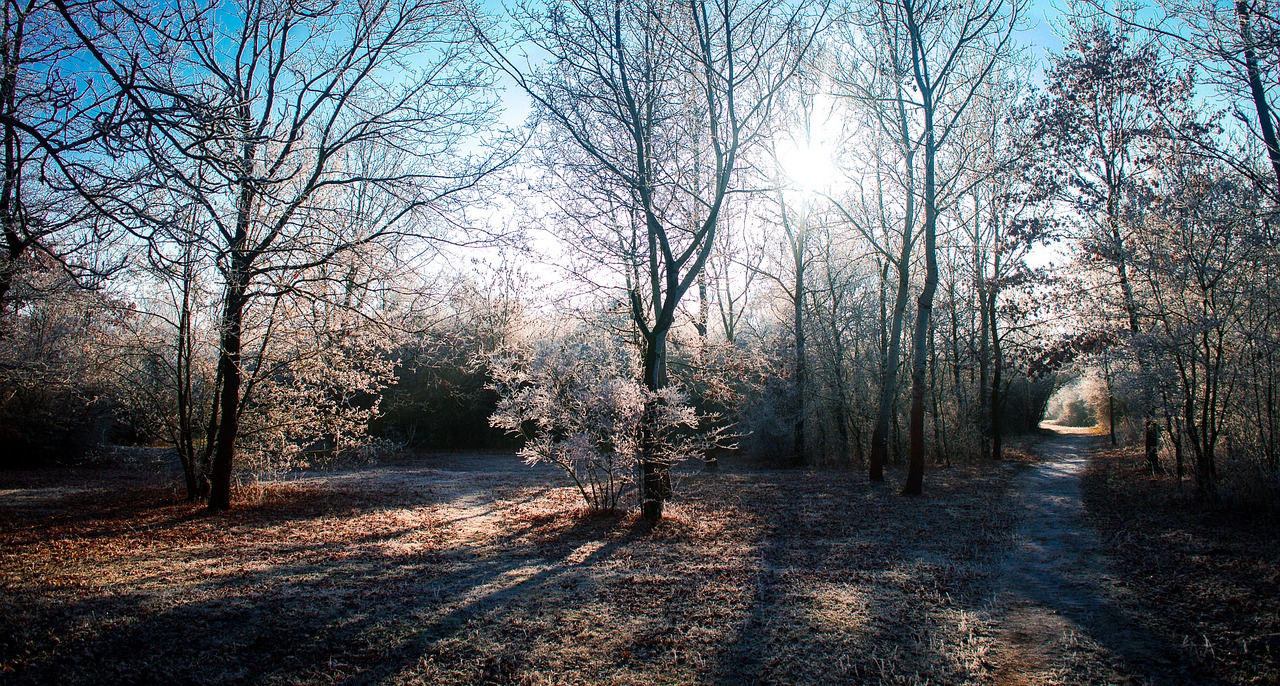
808, 167
806, 154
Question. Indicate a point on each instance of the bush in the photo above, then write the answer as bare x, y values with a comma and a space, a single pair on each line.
57, 402
576, 404
1077, 412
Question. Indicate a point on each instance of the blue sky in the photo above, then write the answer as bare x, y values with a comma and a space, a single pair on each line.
1039, 35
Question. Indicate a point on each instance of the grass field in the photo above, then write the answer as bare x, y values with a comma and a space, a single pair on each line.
474, 569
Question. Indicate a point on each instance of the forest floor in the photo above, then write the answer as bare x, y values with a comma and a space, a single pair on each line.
474, 569
1204, 579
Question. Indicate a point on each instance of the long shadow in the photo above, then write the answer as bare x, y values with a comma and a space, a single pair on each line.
376, 616
347, 610
929, 572
850, 590
426, 636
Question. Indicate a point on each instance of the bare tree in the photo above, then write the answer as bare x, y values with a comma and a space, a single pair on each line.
51, 112
930, 61
265, 115
876, 80
655, 103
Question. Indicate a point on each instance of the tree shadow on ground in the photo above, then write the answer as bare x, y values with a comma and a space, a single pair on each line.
854, 585
290, 605
431, 576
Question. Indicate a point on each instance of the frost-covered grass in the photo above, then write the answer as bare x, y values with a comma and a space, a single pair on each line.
468, 570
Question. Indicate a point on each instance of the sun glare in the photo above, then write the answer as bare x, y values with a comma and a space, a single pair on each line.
809, 168
806, 157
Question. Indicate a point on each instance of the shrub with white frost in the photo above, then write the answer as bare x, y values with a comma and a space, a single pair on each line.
576, 404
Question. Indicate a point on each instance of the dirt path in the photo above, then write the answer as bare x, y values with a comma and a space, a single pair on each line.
1059, 621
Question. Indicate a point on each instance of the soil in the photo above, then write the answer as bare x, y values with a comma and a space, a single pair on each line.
1059, 621
476, 569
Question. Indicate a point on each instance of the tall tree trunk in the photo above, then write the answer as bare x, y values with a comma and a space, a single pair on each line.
1203, 461
889, 383
997, 361
797, 249
984, 350
711, 463
1151, 429
936, 388
230, 342
1258, 91
230, 371
203, 485
186, 428
924, 311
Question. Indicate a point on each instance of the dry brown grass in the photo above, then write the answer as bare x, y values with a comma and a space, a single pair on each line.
1203, 579
475, 570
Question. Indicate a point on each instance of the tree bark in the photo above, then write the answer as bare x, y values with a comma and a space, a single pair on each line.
1258, 91
924, 311
230, 371
655, 474
997, 361
229, 349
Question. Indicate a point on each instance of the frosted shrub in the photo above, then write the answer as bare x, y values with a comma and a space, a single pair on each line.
313, 408
576, 405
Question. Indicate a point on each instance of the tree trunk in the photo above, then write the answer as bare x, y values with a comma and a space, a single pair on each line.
889, 384
937, 388
229, 394
1151, 429
655, 473
1176, 440
984, 353
186, 428
997, 361
1258, 91
711, 463
1152, 445
1111, 415
232, 329
229, 350
924, 311
798, 456
1204, 466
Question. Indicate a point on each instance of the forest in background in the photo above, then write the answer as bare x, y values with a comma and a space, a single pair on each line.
272, 235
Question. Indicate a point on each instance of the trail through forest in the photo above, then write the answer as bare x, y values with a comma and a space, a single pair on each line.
1059, 619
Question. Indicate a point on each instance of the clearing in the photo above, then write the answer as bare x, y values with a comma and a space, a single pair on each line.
473, 569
